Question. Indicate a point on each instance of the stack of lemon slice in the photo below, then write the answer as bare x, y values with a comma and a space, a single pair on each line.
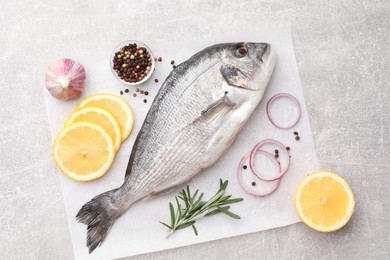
85, 149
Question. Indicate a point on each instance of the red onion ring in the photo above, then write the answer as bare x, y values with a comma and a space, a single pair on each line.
256, 148
297, 105
265, 192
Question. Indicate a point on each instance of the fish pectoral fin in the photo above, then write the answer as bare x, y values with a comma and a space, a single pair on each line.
219, 107
234, 76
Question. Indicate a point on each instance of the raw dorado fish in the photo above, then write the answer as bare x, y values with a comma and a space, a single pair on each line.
195, 117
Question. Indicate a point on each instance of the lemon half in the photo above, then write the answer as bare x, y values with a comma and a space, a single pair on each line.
324, 201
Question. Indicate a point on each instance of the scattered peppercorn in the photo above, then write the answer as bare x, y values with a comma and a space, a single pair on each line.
172, 62
137, 90
145, 101
276, 155
121, 92
174, 66
134, 95
156, 80
155, 58
159, 59
297, 138
295, 133
253, 183
288, 148
132, 63
276, 151
245, 167
146, 93
126, 90
141, 91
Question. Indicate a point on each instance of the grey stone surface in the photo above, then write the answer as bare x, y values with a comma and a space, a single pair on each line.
343, 56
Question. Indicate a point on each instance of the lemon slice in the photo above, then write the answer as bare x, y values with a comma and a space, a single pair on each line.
83, 151
100, 117
324, 201
116, 106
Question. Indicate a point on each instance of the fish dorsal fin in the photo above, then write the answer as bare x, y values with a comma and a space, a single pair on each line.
234, 76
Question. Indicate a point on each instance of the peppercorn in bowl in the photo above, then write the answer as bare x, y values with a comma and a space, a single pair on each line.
132, 62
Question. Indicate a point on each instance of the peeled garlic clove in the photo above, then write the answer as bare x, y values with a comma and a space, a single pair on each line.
65, 79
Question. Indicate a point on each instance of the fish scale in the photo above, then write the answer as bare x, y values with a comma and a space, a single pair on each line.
195, 117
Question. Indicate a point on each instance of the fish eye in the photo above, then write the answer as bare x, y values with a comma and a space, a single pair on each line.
242, 51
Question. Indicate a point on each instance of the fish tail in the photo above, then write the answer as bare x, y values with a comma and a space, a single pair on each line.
99, 214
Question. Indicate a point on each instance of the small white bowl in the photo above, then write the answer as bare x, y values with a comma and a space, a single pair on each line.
117, 48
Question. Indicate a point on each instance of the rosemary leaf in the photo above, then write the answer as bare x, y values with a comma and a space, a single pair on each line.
230, 214
168, 226
196, 231
188, 192
216, 211
231, 201
194, 196
185, 225
172, 210
225, 198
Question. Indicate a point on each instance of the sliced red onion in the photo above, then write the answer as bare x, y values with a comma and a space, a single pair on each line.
262, 188
252, 157
296, 103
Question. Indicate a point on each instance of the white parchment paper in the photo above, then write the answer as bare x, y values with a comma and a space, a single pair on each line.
138, 231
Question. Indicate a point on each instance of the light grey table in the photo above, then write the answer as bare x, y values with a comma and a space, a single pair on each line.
343, 55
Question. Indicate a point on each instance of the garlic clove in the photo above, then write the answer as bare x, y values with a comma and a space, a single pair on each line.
65, 79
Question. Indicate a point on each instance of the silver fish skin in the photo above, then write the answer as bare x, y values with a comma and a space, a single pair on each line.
195, 117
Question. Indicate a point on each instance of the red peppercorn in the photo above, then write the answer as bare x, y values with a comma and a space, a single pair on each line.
159, 59
172, 62
134, 95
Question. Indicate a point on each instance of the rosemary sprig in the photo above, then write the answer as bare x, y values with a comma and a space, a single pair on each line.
195, 208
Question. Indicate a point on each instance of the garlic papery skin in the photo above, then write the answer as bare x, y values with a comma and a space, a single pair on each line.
65, 79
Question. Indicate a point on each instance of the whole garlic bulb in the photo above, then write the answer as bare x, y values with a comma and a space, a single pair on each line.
65, 79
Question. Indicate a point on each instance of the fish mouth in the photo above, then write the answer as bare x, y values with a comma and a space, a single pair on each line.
263, 54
